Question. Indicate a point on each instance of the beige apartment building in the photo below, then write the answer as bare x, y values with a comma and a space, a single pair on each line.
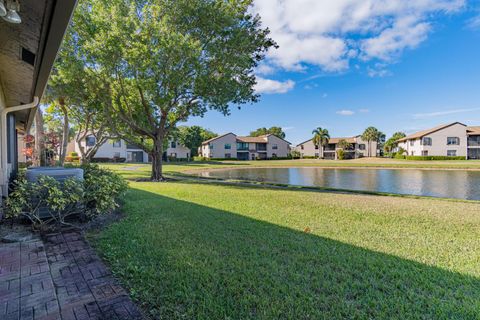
359, 148
120, 149
231, 146
454, 140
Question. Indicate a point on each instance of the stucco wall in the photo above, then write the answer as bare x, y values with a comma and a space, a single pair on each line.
308, 149
283, 148
218, 150
181, 152
3, 180
439, 145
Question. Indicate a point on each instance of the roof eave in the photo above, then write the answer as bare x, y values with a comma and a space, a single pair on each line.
57, 26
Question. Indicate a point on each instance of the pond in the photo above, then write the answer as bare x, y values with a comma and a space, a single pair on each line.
460, 184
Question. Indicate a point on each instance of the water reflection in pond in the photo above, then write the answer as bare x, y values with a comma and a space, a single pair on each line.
461, 184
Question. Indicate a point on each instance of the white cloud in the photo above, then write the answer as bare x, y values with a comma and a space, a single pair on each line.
272, 86
329, 34
364, 110
442, 113
287, 128
345, 112
474, 23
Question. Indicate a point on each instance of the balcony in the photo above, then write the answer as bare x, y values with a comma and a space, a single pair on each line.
261, 147
473, 141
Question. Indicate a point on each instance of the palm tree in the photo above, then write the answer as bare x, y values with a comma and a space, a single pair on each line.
371, 134
320, 139
344, 144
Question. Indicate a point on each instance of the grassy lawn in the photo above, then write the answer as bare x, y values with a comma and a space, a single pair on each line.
200, 251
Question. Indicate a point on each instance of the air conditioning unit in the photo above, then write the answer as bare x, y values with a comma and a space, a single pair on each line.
58, 173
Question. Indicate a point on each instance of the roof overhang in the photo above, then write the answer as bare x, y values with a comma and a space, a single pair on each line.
41, 32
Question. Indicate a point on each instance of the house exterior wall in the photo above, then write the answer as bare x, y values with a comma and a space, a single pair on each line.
178, 151
3, 180
216, 148
282, 150
438, 147
308, 149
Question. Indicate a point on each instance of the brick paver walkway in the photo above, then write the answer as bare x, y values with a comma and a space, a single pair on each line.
59, 278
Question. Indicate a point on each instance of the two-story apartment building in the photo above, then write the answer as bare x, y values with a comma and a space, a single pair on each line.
358, 148
231, 146
120, 149
453, 139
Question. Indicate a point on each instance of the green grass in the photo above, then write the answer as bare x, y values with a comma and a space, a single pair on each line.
202, 251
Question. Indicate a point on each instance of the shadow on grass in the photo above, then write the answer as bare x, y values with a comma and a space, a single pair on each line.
188, 261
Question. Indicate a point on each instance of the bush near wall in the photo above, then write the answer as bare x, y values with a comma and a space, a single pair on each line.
427, 158
48, 203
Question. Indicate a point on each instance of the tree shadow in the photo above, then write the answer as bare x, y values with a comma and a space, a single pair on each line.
184, 260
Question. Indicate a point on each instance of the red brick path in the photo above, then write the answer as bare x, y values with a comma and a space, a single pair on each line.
60, 277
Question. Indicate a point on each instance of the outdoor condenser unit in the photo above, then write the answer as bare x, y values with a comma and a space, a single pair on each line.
58, 173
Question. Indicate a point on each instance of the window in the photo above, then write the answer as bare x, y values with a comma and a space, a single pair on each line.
228, 155
361, 146
412, 143
301, 147
412, 153
173, 144
274, 147
173, 155
426, 141
117, 143
116, 154
90, 141
210, 145
228, 146
317, 155
451, 153
316, 147
274, 155
242, 146
425, 153
453, 141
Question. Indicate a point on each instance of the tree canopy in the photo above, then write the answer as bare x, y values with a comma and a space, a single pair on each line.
391, 143
272, 130
165, 61
192, 137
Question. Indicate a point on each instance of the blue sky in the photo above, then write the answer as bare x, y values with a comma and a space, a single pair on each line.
396, 65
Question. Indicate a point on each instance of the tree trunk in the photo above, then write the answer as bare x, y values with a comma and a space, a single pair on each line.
39, 140
157, 159
64, 146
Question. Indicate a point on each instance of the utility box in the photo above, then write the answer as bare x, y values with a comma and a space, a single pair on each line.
58, 173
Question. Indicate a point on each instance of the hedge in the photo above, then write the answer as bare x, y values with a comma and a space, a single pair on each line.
426, 158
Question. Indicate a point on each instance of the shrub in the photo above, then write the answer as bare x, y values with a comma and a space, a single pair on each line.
47, 203
100, 160
199, 158
399, 156
71, 158
102, 189
427, 158
340, 154
73, 154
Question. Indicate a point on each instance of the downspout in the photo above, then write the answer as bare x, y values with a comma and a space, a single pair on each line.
3, 142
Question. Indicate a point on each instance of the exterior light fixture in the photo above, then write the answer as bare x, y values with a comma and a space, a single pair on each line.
3, 10
12, 12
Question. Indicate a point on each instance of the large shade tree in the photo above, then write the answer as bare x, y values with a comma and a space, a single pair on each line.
78, 93
278, 131
192, 137
320, 139
168, 60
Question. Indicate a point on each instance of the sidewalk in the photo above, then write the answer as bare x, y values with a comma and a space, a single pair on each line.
60, 277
